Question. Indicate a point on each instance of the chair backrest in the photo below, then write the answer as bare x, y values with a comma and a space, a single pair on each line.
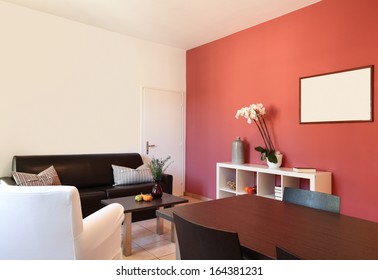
283, 254
318, 200
39, 222
198, 242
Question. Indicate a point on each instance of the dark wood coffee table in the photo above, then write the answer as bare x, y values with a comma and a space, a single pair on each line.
130, 205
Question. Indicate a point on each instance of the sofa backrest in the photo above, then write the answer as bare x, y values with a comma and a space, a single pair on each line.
79, 170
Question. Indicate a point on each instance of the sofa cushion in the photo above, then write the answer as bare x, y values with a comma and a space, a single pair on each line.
51, 172
47, 177
27, 179
127, 176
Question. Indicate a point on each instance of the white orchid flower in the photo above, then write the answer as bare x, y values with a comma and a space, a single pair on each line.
256, 112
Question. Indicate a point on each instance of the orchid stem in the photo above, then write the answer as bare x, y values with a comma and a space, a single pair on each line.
269, 139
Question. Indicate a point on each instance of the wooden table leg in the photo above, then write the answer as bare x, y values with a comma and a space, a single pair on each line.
159, 225
127, 237
173, 233
178, 255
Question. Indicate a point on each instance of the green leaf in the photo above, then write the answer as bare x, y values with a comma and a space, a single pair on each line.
272, 157
260, 149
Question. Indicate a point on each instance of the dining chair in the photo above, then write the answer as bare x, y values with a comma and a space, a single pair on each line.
198, 242
283, 254
317, 200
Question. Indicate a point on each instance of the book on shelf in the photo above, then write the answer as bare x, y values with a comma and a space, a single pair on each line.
304, 169
278, 192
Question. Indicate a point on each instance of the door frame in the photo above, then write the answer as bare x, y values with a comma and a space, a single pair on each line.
183, 132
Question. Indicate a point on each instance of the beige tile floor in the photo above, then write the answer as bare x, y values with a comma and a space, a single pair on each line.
147, 245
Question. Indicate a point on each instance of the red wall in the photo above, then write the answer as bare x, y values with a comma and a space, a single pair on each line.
264, 64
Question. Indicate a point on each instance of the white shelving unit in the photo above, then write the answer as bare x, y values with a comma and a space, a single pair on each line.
265, 179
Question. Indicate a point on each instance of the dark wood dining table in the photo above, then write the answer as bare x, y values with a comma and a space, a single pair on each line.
262, 223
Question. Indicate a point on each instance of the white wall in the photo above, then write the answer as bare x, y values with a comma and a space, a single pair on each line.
67, 87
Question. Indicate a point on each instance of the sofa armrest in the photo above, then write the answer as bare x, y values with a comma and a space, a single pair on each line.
7, 181
101, 236
167, 181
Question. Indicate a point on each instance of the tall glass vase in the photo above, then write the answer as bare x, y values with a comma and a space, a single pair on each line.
157, 190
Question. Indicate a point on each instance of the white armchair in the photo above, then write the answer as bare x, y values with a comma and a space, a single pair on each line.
46, 223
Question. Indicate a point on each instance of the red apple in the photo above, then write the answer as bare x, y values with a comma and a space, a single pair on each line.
250, 190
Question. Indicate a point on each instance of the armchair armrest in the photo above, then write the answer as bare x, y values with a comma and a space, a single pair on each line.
101, 236
7, 181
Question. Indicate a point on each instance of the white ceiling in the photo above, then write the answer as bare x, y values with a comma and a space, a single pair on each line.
183, 24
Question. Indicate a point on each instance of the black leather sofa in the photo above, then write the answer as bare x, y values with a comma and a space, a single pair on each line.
92, 175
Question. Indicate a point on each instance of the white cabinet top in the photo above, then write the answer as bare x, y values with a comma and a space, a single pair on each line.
283, 171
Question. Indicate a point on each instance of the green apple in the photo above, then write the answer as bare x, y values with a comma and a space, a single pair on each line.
139, 197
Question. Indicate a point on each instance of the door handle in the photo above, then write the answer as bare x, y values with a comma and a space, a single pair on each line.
148, 146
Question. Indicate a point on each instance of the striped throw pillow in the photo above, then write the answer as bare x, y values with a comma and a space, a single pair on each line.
126, 176
51, 172
27, 179
47, 177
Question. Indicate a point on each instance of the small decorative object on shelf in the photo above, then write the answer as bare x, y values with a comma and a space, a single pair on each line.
238, 151
158, 166
304, 169
256, 113
250, 190
231, 185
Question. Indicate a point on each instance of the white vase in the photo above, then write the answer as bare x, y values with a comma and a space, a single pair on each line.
275, 165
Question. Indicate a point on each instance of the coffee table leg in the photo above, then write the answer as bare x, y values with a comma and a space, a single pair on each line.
159, 225
127, 237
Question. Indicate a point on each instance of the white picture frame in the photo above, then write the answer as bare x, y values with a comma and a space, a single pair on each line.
342, 96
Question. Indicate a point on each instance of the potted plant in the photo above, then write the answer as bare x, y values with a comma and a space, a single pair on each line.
255, 113
158, 167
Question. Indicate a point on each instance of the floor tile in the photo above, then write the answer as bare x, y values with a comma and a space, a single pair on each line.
147, 239
138, 253
161, 248
169, 257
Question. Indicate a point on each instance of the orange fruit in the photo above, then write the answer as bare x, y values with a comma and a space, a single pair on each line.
147, 197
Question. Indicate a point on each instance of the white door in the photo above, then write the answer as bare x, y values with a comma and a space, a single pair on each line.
163, 130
